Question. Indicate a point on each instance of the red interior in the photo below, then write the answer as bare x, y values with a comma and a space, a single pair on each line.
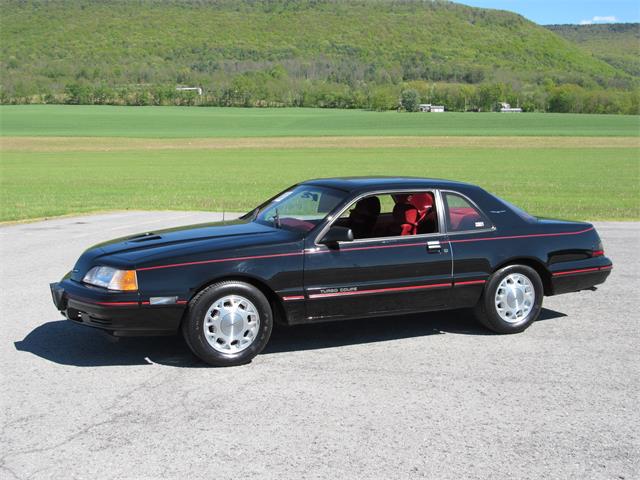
406, 218
412, 211
422, 201
463, 218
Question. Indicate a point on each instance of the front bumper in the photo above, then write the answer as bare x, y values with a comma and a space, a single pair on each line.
128, 316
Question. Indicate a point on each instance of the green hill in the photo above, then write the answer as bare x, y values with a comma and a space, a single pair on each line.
291, 52
618, 44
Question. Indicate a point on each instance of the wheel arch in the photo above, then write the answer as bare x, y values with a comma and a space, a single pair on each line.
277, 308
535, 263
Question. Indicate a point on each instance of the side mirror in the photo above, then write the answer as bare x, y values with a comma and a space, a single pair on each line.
337, 234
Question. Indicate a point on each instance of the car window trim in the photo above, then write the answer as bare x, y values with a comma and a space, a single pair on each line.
442, 192
339, 213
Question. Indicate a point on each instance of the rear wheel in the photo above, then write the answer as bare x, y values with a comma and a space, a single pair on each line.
228, 323
512, 299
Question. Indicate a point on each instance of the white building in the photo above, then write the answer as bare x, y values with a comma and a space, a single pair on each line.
427, 107
190, 89
506, 108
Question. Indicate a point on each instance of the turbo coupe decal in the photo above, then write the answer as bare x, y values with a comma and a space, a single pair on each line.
354, 290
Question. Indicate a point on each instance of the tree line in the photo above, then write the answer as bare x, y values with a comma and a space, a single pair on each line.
275, 89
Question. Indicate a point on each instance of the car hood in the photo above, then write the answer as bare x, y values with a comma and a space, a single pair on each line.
131, 251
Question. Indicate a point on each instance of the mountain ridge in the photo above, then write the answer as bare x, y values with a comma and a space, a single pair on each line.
618, 44
285, 52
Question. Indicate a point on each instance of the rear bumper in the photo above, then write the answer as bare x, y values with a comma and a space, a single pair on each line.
573, 280
120, 317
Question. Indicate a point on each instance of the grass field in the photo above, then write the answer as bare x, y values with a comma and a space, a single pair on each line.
190, 122
49, 169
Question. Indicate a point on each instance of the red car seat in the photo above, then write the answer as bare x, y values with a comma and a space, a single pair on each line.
428, 221
463, 218
405, 218
411, 212
422, 201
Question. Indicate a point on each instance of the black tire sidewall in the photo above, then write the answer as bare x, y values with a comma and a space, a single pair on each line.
492, 318
193, 328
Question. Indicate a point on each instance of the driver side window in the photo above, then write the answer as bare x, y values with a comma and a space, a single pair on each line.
391, 215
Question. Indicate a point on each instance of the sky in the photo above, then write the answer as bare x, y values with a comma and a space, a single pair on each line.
547, 12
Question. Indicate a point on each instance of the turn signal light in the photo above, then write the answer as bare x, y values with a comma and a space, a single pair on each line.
125, 280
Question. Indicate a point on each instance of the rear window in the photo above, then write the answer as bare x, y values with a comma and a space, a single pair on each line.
517, 210
462, 215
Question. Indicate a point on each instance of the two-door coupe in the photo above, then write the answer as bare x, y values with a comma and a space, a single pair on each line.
332, 249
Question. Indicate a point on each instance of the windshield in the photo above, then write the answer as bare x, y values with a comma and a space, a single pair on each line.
301, 208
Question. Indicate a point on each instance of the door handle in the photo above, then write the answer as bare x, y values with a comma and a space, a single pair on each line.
434, 246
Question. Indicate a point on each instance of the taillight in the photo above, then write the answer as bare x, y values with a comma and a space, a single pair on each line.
598, 252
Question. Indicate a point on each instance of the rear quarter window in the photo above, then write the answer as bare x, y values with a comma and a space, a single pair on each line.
462, 215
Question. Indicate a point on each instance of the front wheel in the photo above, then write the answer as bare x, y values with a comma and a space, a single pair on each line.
228, 323
511, 301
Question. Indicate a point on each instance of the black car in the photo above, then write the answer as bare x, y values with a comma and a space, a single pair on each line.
332, 249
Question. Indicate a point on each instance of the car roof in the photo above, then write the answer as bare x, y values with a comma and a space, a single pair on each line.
363, 184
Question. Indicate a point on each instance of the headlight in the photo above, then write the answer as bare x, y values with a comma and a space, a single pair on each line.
112, 278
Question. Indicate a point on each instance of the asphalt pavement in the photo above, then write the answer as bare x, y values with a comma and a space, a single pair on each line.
421, 396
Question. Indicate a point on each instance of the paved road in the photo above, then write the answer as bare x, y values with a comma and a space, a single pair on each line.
427, 396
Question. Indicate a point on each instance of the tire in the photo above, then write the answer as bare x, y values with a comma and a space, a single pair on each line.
228, 323
512, 309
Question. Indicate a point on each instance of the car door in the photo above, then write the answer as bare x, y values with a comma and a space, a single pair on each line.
375, 276
466, 223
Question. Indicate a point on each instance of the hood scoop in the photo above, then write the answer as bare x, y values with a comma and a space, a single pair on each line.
148, 243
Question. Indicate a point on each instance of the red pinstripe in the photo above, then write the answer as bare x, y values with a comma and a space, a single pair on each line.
115, 304
119, 304
510, 237
582, 270
293, 297
218, 260
470, 282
